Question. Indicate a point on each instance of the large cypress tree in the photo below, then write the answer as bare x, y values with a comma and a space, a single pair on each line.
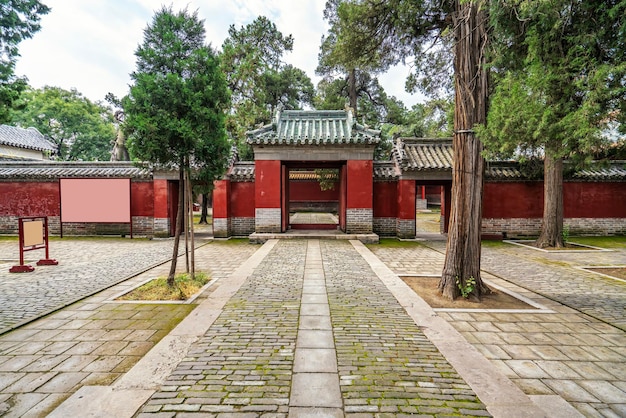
174, 114
561, 80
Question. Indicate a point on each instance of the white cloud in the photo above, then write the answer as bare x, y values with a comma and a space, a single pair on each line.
89, 45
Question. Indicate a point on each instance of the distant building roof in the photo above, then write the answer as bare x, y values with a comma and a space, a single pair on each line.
423, 154
418, 154
313, 127
29, 138
53, 170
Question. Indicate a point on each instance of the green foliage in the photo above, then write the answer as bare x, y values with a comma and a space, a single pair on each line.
81, 129
19, 20
561, 77
174, 114
466, 288
565, 233
260, 81
327, 178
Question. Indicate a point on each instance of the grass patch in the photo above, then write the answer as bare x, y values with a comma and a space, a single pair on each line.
157, 289
232, 241
602, 242
396, 243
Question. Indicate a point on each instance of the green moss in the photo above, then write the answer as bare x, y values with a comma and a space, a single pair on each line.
395, 243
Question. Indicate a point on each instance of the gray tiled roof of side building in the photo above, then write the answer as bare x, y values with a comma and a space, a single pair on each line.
54, 170
29, 138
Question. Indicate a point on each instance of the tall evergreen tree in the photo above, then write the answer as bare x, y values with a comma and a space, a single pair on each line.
259, 79
561, 81
174, 114
429, 32
19, 20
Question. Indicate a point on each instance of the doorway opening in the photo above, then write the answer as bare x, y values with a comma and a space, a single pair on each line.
432, 204
314, 196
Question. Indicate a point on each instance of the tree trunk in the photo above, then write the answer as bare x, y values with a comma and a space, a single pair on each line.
205, 209
462, 260
179, 226
552, 224
352, 90
192, 270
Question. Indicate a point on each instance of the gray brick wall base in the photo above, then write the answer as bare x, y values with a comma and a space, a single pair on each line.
161, 227
359, 221
242, 226
531, 227
385, 227
221, 227
406, 228
267, 220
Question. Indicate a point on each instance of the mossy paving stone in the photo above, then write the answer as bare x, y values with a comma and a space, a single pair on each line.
101, 350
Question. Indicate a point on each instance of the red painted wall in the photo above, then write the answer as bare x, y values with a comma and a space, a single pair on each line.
594, 200
267, 181
160, 198
242, 199
513, 200
360, 185
580, 200
406, 199
309, 191
385, 199
221, 199
29, 199
141, 199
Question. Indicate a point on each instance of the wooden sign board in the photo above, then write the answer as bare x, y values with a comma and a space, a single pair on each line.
33, 233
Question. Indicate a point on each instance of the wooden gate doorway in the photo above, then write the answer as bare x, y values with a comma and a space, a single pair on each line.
433, 199
313, 196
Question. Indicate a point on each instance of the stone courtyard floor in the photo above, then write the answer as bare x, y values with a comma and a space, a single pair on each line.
305, 328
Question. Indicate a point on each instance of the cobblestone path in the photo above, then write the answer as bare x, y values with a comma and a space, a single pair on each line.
245, 365
97, 264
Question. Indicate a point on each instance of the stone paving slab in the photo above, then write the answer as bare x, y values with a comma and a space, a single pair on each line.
243, 366
86, 266
96, 341
556, 357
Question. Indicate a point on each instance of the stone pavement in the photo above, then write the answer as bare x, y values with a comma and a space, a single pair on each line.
84, 269
314, 332
95, 341
320, 328
573, 351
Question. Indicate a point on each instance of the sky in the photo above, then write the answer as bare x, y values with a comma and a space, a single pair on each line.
89, 45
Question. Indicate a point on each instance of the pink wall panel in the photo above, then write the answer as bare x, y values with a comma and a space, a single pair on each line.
95, 200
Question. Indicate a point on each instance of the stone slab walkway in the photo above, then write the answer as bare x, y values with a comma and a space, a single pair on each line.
314, 332
573, 353
326, 328
96, 341
84, 269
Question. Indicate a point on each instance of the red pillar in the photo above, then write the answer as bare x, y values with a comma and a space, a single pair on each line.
406, 209
161, 205
268, 192
360, 196
221, 209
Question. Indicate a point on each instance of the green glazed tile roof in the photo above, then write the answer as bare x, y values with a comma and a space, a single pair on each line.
313, 127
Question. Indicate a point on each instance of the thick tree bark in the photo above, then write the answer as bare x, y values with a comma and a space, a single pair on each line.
463, 249
352, 90
179, 225
552, 224
192, 269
